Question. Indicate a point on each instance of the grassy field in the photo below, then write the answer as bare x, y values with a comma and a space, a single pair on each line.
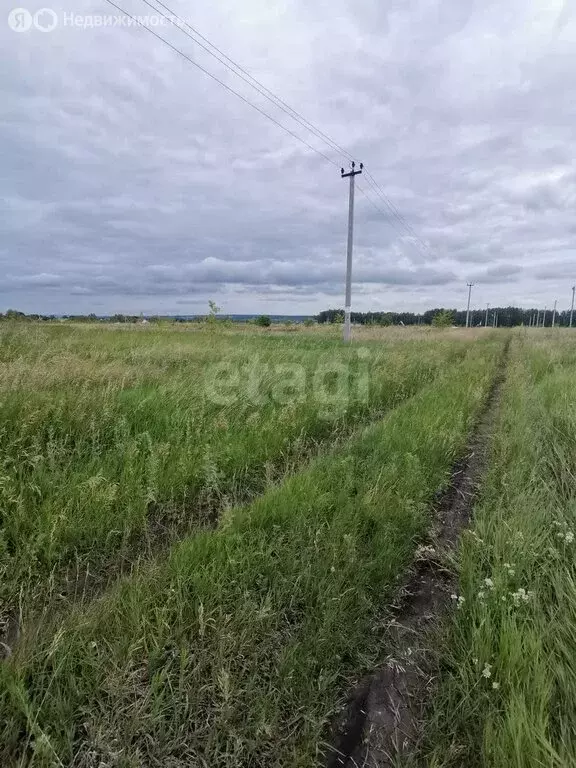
115, 441
507, 692
264, 493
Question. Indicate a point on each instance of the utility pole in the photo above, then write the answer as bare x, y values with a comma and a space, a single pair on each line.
554, 314
495, 318
544, 317
348, 302
486, 321
572, 307
470, 286
538, 319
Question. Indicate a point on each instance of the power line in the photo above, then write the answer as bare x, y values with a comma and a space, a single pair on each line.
392, 208
244, 75
390, 220
224, 85
267, 93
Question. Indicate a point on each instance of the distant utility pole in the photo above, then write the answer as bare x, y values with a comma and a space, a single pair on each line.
486, 321
495, 321
470, 286
348, 302
572, 307
538, 319
544, 317
554, 314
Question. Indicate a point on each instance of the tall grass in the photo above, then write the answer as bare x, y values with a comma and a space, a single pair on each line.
237, 649
507, 695
109, 434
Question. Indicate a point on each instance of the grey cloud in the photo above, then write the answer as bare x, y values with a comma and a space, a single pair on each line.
131, 181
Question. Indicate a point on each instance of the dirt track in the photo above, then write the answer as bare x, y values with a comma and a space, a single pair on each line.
381, 721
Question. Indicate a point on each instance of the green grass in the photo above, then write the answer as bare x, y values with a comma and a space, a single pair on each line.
110, 435
237, 649
524, 713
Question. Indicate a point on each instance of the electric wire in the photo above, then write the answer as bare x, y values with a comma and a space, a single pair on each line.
224, 85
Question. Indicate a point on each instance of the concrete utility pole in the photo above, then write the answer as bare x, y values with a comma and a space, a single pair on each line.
554, 314
348, 301
470, 286
538, 319
544, 317
572, 307
486, 321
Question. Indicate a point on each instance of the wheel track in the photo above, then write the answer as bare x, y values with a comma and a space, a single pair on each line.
381, 723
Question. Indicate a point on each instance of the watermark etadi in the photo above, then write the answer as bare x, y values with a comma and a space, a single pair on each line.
332, 385
47, 20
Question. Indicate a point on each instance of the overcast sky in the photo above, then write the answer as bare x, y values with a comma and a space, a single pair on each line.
131, 182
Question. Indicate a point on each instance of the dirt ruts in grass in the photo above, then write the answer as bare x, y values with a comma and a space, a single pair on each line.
167, 522
380, 725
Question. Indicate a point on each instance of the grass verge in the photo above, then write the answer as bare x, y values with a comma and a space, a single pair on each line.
237, 650
506, 695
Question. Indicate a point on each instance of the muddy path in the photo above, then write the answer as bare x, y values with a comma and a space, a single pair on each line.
381, 723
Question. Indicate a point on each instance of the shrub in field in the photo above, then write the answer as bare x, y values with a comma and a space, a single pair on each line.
263, 321
443, 319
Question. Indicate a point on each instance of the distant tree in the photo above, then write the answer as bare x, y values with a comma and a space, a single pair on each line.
443, 319
212, 319
308, 322
13, 314
214, 309
263, 321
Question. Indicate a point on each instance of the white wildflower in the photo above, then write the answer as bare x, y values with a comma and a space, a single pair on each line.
569, 537
481, 594
487, 671
453, 597
489, 583
495, 685
461, 600
521, 595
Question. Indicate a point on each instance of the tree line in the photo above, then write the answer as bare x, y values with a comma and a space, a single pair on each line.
507, 317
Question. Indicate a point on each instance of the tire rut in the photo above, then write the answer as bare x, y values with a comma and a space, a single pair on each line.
381, 723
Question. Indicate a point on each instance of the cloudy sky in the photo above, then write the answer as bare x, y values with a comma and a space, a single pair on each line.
131, 182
